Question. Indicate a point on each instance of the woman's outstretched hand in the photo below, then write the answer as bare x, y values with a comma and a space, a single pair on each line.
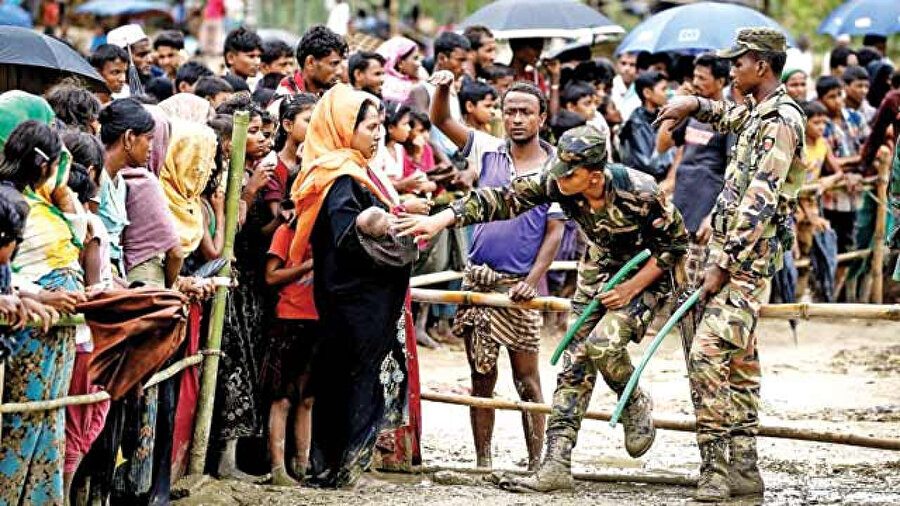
423, 228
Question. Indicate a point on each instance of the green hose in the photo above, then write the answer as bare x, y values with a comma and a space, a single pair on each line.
615, 280
633, 380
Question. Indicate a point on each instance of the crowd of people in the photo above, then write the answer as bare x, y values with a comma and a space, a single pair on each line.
115, 198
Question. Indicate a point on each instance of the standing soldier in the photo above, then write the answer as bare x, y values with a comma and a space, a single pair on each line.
751, 230
621, 211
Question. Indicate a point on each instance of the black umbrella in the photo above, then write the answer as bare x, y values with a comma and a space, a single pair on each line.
33, 62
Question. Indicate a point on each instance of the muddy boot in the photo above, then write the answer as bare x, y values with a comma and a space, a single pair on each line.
743, 474
555, 473
280, 478
713, 484
637, 419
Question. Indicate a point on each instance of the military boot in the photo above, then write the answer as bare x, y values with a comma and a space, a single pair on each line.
743, 474
554, 473
637, 419
713, 484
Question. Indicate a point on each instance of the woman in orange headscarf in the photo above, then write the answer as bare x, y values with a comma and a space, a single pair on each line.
359, 295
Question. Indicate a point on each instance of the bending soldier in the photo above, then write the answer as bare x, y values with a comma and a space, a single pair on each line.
621, 212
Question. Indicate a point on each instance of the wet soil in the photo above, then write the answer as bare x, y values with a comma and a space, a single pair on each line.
842, 376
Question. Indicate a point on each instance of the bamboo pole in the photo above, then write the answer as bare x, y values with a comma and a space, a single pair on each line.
217, 319
570, 265
679, 424
78, 400
849, 256
804, 311
878, 246
487, 299
645, 478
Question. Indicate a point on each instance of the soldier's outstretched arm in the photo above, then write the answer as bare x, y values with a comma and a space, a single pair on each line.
480, 206
756, 208
723, 116
502, 203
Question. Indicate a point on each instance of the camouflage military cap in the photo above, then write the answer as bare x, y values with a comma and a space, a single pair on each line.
760, 38
584, 145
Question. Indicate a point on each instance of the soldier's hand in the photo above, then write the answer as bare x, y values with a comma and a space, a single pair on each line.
705, 231
619, 297
716, 277
523, 291
675, 111
423, 228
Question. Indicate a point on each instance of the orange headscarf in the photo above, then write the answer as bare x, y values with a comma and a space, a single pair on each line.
327, 155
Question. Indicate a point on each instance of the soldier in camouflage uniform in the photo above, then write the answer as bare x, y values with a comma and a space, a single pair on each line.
751, 230
621, 212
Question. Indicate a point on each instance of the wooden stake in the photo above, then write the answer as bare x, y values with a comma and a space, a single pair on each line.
878, 246
217, 315
680, 424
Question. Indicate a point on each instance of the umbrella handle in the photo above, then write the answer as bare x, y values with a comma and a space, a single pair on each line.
633, 380
619, 275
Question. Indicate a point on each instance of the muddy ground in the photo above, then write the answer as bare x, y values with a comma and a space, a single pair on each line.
843, 376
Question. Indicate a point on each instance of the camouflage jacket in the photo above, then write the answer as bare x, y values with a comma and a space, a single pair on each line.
751, 219
636, 215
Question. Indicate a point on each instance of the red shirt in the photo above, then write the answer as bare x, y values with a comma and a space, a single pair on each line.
276, 189
295, 299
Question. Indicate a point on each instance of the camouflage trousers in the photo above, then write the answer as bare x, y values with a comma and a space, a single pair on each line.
599, 347
725, 373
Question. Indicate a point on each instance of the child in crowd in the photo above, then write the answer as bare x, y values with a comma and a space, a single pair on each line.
476, 100
167, 47
243, 50
397, 125
815, 153
419, 154
277, 58
112, 64
295, 112
214, 89
292, 344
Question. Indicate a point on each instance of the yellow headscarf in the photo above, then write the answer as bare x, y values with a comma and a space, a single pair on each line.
327, 155
184, 175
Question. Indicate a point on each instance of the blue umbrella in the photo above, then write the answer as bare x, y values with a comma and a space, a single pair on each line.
698, 27
863, 17
13, 15
568, 19
125, 8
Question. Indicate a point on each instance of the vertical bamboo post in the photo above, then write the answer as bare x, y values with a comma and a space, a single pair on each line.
217, 315
878, 246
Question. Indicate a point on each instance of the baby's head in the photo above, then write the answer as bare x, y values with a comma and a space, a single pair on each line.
374, 222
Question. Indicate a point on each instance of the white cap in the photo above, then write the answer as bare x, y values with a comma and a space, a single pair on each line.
125, 36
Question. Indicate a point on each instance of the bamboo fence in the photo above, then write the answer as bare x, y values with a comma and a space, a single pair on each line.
674, 423
805, 311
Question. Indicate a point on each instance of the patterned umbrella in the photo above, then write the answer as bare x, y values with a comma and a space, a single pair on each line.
703, 26
863, 17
